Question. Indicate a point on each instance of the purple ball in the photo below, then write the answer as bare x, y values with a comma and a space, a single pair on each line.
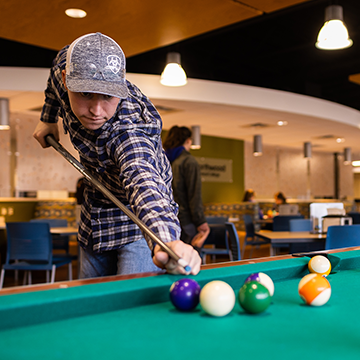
184, 294
253, 277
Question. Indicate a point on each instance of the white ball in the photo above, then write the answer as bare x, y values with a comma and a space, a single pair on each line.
267, 282
320, 265
217, 298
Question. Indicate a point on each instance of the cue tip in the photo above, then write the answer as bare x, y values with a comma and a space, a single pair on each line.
184, 264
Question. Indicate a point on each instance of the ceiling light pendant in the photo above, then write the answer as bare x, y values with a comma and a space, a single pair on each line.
257, 145
347, 156
307, 150
196, 137
75, 13
173, 74
334, 34
4, 114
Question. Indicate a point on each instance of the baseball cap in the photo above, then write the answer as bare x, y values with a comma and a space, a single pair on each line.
95, 63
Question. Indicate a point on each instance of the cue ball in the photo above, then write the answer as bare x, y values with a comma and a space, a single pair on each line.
314, 289
217, 298
263, 279
184, 294
254, 297
320, 265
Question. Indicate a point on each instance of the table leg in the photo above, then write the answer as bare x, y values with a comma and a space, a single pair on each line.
272, 250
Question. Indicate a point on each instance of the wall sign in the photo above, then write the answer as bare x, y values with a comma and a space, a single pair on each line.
215, 170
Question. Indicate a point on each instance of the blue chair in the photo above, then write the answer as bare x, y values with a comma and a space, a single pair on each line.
29, 248
225, 240
301, 225
60, 242
234, 241
282, 222
218, 239
250, 238
341, 236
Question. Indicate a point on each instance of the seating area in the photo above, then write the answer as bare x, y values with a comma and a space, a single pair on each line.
29, 249
226, 242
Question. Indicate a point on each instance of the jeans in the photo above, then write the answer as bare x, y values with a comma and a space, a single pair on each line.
130, 259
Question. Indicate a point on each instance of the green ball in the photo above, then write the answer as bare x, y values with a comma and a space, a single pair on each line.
254, 297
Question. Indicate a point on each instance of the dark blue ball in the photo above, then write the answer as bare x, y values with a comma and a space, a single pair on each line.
184, 294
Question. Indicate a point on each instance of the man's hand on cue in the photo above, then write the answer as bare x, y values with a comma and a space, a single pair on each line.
184, 251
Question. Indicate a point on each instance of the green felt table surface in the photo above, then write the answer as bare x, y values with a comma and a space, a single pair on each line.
134, 319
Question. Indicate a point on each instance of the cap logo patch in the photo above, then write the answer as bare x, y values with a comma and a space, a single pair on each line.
114, 63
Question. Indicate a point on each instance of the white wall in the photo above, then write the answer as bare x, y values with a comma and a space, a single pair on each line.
5, 163
279, 169
38, 168
286, 170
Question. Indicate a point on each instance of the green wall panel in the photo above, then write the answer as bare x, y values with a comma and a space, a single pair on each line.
221, 148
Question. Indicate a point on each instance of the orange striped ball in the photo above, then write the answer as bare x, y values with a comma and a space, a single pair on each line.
314, 289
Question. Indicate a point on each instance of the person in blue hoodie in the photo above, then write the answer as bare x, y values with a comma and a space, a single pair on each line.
186, 186
117, 132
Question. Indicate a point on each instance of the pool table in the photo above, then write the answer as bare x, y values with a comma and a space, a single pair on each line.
132, 318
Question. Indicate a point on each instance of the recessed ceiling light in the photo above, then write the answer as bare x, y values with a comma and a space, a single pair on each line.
340, 140
75, 13
282, 123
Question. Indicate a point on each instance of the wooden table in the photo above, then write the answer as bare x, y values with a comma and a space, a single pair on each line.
289, 237
64, 231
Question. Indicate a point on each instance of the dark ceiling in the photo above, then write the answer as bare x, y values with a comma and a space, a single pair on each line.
273, 50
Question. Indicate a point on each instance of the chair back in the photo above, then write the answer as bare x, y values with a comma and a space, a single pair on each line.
53, 222
29, 241
233, 240
216, 219
59, 241
301, 225
249, 225
282, 223
340, 236
355, 217
217, 236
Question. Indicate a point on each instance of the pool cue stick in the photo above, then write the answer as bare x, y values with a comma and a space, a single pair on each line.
89, 176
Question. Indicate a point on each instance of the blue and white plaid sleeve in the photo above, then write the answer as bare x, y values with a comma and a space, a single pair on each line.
146, 178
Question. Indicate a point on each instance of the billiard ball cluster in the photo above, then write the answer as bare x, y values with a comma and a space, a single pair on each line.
314, 288
217, 298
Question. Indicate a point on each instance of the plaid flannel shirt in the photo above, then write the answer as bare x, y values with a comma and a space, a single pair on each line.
127, 156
